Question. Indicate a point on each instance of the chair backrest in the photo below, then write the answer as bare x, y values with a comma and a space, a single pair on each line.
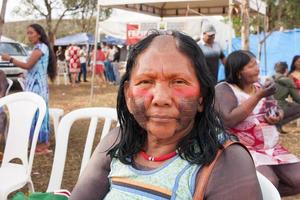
10, 83
269, 191
22, 107
62, 136
21, 82
61, 67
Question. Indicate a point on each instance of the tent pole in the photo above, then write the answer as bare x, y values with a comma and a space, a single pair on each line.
95, 51
230, 9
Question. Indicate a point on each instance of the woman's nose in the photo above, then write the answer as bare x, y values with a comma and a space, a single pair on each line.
162, 95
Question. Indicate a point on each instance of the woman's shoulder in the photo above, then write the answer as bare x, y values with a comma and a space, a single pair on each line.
295, 75
224, 86
235, 171
42, 47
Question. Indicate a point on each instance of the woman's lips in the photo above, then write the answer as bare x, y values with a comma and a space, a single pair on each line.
158, 118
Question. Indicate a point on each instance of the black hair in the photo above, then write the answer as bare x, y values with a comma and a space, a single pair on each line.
235, 62
52, 65
293, 67
201, 144
281, 67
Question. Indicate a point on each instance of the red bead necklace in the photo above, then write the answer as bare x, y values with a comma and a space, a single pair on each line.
157, 159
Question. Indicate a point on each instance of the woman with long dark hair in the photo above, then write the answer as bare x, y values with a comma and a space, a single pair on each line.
294, 72
41, 63
249, 113
169, 132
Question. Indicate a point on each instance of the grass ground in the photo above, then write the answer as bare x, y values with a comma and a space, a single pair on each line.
69, 98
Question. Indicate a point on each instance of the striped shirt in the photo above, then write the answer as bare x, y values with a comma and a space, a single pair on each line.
174, 180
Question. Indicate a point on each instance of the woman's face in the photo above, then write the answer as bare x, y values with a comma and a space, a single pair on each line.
297, 64
32, 35
249, 74
164, 93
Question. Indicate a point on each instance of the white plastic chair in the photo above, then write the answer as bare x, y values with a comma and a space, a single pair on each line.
21, 107
109, 114
55, 115
21, 82
62, 70
10, 83
269, 191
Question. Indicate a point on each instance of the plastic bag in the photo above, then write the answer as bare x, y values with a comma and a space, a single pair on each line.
57, 195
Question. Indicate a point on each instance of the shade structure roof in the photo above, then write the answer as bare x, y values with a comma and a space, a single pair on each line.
172, 8
79, 38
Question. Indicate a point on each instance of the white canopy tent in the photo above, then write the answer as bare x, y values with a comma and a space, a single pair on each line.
171, 8
178, 8
192, 25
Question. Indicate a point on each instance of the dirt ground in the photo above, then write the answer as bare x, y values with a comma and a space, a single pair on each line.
69, 98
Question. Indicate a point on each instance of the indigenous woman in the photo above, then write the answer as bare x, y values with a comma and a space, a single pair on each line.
41, 63
294, 73
169, 132
249, 114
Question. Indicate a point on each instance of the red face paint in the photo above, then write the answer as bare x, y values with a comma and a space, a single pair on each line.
188, 92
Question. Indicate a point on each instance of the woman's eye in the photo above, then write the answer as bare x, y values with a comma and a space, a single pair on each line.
179, 81
144, 82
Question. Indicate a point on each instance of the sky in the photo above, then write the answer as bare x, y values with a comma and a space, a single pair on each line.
10, 16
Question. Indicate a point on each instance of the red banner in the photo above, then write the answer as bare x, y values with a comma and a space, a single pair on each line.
133, 34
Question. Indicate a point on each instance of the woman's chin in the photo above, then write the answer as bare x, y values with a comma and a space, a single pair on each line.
162, 132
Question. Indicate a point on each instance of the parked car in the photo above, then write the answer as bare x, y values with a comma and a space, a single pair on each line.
16, 50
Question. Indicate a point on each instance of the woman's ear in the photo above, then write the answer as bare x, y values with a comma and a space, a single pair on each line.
128, 98
200, 104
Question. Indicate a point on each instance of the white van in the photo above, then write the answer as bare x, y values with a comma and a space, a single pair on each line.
16, 50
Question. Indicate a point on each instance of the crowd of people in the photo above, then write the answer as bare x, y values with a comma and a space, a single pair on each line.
77, 59
177, 123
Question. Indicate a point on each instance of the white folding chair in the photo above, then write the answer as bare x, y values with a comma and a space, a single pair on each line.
10, 83
108, 114
269, 191
21, 108
55, 115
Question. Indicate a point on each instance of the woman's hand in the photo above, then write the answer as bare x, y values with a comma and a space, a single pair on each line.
267, 89
5, 56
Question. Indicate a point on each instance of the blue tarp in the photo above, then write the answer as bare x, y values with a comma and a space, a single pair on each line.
79, 38
113, 40
280, 46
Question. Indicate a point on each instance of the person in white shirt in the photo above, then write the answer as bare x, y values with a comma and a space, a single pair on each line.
211, 50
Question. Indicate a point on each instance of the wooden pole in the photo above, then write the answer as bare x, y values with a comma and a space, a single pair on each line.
231, 4
2, 16
245, 24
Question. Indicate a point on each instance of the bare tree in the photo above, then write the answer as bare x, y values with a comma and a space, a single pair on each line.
245, 24
46, 10
2, 15
86, 13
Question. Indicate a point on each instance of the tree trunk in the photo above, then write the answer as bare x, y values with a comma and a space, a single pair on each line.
2, 16
245, 24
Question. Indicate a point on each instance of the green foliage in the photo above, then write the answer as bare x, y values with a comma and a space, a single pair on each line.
17, 30
281, 13
83, 11
285, 13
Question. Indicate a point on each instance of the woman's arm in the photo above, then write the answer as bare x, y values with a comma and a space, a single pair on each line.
34, 57
233, 177
93, 184
227, 106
